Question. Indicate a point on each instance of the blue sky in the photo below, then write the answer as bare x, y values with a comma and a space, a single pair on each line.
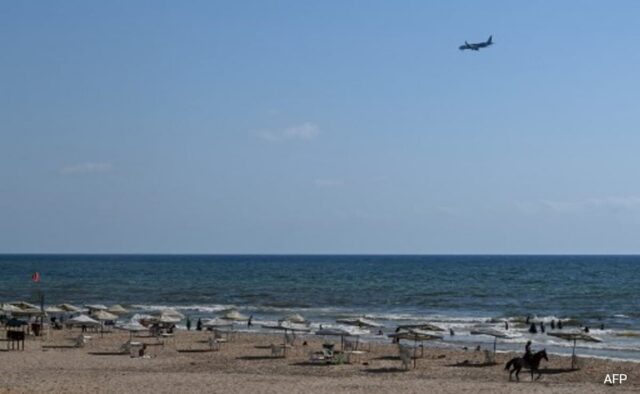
319, 127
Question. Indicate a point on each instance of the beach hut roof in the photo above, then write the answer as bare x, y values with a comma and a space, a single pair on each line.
83, 320
69, 308
117, 309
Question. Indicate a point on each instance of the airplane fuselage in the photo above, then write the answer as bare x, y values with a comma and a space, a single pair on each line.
477, 46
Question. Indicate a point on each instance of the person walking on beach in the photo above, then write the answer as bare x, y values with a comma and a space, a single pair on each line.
188, 324
199, 325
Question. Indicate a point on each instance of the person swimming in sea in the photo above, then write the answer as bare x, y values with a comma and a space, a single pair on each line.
553, 324
533, 329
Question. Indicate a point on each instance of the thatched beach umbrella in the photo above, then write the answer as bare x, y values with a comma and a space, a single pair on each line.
285, 327
117, 309
492, 333
294, 318
420, 326
23, 305
359, 322
83, 320
8, 308
132, 326
416, 335
168, 312
336, 332
69, 308
103, 315
234, 315
574, 336
53, 310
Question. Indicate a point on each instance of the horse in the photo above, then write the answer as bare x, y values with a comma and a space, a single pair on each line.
532, 363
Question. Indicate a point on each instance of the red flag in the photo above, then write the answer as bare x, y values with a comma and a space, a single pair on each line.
35, 277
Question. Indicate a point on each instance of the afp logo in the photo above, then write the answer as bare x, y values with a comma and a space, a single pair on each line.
615, 378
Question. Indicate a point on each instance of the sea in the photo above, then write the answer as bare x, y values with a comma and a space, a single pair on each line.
458, 293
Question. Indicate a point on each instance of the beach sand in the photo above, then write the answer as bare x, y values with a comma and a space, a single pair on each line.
184, 365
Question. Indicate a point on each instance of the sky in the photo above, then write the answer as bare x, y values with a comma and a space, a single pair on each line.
319, 127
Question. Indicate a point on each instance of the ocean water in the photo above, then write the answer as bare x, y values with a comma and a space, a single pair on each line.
457, 292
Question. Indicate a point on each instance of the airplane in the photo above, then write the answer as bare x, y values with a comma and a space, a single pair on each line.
477, 46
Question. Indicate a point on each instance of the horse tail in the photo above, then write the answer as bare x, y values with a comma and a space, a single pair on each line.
511, 362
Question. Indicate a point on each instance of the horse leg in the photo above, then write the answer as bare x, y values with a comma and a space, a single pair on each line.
518, 373
532, 374
539, 374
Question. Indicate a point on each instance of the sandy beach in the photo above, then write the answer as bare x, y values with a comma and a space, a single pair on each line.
185, 364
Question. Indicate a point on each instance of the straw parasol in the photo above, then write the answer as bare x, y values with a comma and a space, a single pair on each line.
286, 326
69, 308
294, 318
234, 315
83, 320
420, 326
29, 312
574, 336
359, 322
23, 304
8, 308
103, 315
492, 333
169, 313
132, 326
337, 332
117, 309
53, 310
96, 307
416, 335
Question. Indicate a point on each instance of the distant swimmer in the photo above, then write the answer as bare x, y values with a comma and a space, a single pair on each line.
527, 321
559, 324
553, 324
542, 327
451, 332
533, 329
586, 329
476, 46
506, 325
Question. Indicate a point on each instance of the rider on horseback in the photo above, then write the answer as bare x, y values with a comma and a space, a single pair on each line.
527, 351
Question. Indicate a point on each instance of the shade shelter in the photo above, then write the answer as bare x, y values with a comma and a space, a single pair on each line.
234, 315
359, 322
294, 318
574, 336
69, 308
83, 320
132, 326
53, 310
117, 309
23, 304
338, 332
420, 326
8, 308
492, 333
416, 335
287, 327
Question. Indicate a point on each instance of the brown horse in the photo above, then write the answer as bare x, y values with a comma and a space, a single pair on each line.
532, 363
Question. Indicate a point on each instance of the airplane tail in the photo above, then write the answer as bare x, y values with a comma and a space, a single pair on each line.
490, 40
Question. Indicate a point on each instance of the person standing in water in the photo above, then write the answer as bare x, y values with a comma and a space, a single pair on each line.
250, 321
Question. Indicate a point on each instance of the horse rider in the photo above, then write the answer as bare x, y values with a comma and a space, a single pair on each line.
527, 351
